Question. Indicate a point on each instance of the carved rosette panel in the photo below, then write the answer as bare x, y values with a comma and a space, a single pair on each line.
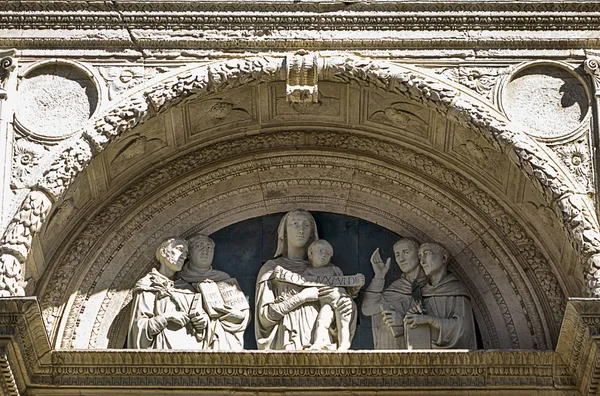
481, 80
26, 160
425, 89
577, 157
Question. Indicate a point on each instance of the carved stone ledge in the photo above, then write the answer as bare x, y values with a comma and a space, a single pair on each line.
579, 342
26, 347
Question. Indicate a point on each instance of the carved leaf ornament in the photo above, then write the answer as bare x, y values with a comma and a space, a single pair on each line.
462, 107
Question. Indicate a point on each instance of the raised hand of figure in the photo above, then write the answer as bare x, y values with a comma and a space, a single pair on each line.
230, 314
379, 267
179, 318
199, 321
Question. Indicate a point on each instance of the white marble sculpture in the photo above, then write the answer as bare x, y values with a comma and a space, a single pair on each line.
222, 299
166, 317
388, 307
320, 253
286, 312
447, 303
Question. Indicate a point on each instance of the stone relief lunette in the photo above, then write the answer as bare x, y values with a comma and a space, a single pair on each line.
304, 302
363, 71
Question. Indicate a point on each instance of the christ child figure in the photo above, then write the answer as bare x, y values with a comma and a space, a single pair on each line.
331, 311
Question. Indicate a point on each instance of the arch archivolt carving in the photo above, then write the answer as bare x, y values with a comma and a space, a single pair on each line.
505, 238
405, 191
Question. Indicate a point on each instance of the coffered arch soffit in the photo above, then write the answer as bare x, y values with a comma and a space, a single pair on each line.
443, 99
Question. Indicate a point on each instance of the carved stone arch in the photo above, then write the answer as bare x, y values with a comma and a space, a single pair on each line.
409, 83
214, 199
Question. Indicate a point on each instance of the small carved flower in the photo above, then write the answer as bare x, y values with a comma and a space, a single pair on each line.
27, 153
577, 160
575, 155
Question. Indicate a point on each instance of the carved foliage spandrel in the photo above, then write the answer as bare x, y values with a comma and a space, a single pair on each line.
26, 160
216, 77
66, 166
16, 242
480, 79
120, 79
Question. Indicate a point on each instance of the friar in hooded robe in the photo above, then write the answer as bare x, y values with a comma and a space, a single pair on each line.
447, 303
225, 330
388, 307
165, 317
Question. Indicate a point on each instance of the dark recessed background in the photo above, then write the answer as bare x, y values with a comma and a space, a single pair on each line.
242, 248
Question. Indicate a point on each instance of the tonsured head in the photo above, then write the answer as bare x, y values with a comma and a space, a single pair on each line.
433, 257
202, 251
172, 252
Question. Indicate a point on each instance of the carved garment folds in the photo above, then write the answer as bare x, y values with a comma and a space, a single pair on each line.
287, 313
415, 312
181, 314
388, 307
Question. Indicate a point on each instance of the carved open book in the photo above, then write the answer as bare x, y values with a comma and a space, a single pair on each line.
220, 294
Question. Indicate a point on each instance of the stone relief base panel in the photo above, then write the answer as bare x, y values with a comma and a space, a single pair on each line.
40, 370
319, 392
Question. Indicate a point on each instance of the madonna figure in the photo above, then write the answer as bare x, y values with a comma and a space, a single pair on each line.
286, 313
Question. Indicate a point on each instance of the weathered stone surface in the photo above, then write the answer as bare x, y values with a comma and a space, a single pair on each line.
193, 132
548, 100
55, 100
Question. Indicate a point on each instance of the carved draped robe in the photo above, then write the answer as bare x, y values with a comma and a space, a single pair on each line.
449, 301
294, 330
398, 296
155, 295
221, 333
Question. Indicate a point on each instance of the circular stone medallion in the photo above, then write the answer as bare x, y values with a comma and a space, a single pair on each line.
549, 101
55, 100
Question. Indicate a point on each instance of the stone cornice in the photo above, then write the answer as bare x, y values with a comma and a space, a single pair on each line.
270, 24
227, 15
